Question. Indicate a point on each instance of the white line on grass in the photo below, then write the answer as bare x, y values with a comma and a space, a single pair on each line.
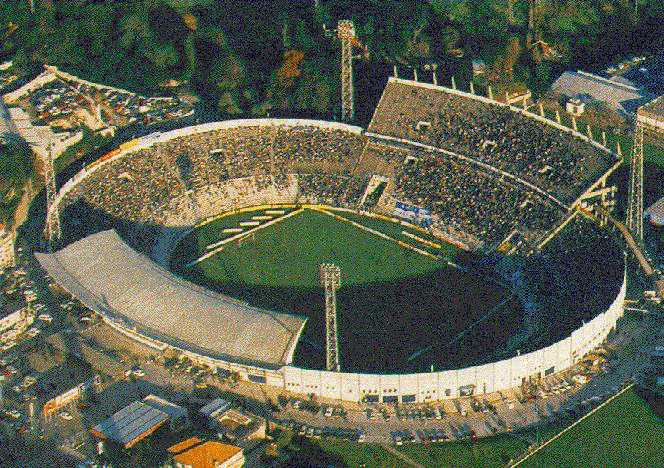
241, 235
571, 426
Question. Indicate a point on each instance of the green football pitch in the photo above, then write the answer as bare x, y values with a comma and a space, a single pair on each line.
393, 302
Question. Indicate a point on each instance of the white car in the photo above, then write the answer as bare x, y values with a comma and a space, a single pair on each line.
328, 412
66, 416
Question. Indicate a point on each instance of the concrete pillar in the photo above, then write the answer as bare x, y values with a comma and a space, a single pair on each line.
434, 77
453, 83
472, 88
576, 129
604, 138
618, 149
557, 116
541, 110
396, 72
415, 73
490, 93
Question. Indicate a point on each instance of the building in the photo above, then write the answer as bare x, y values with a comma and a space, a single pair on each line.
232, 424
651, 115
479, 67
656, 213
139, 420
215, 408
194, 453
623, 97
575, 107
7, 256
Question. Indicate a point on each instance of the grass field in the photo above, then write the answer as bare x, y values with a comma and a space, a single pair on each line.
393, 302
488, 452
624, 433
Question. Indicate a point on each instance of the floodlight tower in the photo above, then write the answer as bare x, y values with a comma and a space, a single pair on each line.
52, 229
330, 279
635, 197
346, 34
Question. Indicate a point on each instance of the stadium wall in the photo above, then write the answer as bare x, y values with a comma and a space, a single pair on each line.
486, 378
422, 387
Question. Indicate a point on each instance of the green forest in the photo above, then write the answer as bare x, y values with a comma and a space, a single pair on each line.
280, 57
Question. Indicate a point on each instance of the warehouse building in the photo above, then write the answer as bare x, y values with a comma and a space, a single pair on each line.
139, 420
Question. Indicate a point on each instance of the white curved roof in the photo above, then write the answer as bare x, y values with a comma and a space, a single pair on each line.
111, 278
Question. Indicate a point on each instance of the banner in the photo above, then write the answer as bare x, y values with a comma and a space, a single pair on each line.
419, 215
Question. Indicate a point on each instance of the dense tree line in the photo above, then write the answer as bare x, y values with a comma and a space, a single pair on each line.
273, 56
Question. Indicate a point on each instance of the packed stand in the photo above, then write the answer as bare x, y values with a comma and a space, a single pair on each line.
468, 200
192, 177
543, 155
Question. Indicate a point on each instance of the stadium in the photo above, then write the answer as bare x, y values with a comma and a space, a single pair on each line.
470, 257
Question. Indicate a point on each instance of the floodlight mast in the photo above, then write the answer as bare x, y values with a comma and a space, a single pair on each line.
346, 34
330, 278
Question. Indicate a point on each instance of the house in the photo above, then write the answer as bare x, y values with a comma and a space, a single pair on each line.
194, 453
232, 424
620, 97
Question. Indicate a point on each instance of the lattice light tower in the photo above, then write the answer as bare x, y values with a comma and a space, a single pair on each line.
330, 279
52, 230
346, 34
649, 120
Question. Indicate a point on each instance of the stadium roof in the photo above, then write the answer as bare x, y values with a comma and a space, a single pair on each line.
131, 424
111, 278
619, 97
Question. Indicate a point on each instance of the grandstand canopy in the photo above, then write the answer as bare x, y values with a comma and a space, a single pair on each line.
111, 278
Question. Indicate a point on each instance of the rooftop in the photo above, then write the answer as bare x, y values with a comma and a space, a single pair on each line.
207, 454
619, 97
111, 278
215, 406
184, 445
131, 424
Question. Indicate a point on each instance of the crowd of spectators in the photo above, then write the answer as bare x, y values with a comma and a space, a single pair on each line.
581, 270
199, 175
465, 199
189, 178
502, 137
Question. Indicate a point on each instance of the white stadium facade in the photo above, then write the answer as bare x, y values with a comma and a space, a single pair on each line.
136, 294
